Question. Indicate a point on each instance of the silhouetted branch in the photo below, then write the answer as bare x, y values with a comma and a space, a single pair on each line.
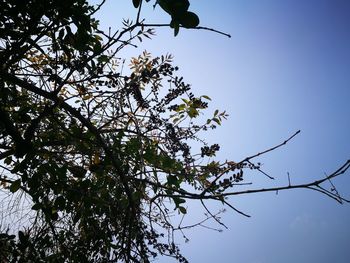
198, 28
311, 185
270, 149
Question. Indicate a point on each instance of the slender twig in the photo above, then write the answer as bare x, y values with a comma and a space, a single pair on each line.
213, 216
288, 179
270, 149
98, 7
261, 171
139, 12
235, 209
198, 28
213, 30
247, 159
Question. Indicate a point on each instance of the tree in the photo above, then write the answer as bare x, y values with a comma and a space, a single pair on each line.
104, 156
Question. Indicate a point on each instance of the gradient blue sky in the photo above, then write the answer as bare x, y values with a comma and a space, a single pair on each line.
286, 67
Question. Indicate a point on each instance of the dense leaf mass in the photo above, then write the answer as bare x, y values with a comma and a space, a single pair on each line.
97, 149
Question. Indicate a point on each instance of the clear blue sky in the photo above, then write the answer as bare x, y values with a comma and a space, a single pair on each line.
286, 67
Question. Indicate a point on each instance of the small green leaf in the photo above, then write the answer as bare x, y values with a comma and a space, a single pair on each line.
192, 112
15, 186
181, 107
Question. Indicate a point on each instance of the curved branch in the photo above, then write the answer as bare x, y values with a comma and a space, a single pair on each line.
198, 28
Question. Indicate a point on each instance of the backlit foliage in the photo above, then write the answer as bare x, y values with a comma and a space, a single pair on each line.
103, 150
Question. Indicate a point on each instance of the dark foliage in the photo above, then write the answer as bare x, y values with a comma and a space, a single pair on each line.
101, 154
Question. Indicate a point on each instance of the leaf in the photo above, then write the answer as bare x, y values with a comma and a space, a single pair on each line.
77, 171
165, 5
181, 107
54, 215
176, 30
96, 158
206, 97
8, 160
189, 20
87, 97
217, 121
150, 154
136, 3
60, 202
103, 59
76, 217
192, 112
174, 7
61, 34
22, 237
15, 186
98, 38
172, 180
179, 7
137, 196
174, 24
178, 201
182, 210
37, 206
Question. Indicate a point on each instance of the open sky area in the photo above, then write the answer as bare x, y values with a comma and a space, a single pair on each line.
285, 68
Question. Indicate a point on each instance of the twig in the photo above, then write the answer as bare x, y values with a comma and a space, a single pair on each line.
98, 7
213, 216
139, 12
247, 159
311, 186
270, 149
261, 171
235, 209
288, 179
213, 30
198, 28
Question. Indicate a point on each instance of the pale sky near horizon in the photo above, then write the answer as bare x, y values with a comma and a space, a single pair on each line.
286, 67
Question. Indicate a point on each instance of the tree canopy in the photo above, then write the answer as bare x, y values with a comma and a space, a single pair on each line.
105, 152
